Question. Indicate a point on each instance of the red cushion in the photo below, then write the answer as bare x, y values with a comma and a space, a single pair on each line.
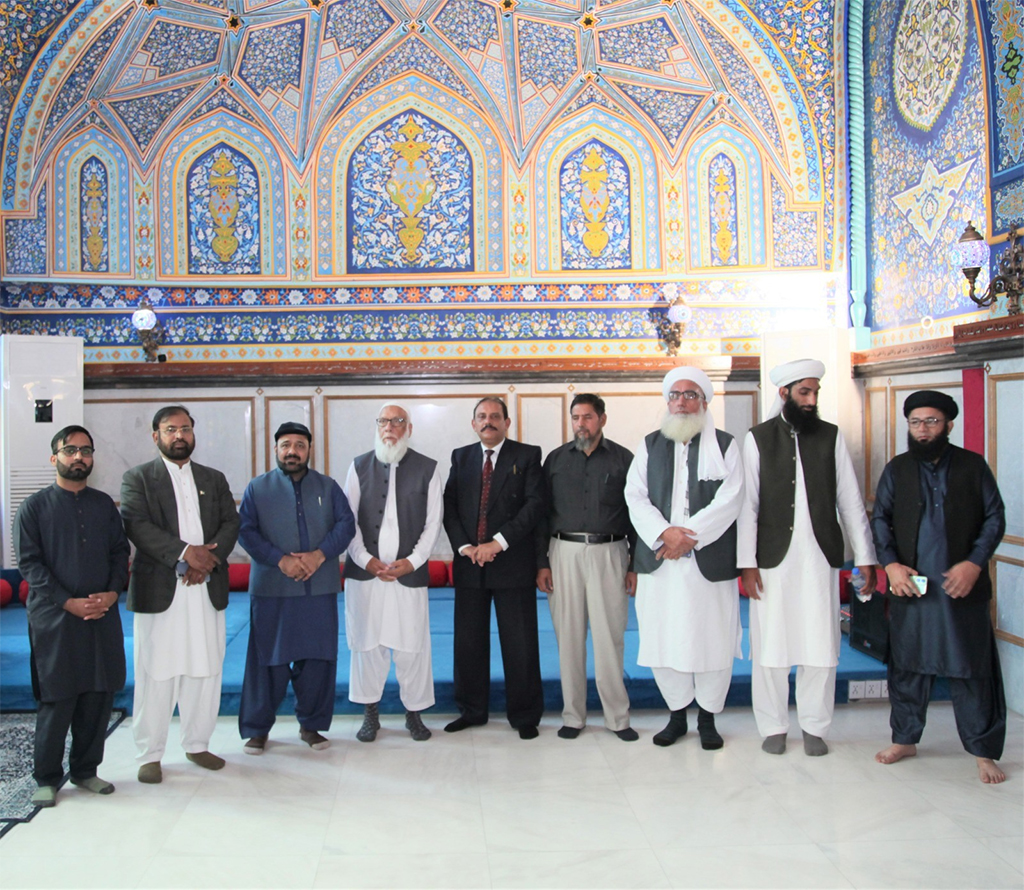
238, 575
23, 592
451, 577
438, 571
6, 592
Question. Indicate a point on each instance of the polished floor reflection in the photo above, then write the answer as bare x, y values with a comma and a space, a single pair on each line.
485, 809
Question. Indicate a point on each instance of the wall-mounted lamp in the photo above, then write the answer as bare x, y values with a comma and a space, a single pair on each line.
674, 325
150, 331
1009, 279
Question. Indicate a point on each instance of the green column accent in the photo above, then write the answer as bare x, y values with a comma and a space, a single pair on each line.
855, 70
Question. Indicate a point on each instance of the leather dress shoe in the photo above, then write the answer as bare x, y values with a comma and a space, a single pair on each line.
570, 732
528, 732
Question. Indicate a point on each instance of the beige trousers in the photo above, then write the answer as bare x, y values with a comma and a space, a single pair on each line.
589, 583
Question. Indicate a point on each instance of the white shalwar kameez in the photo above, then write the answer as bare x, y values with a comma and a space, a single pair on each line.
179, 653
689, 626
385, 619
796, 620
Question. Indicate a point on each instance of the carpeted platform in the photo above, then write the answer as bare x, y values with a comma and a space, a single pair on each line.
16, 688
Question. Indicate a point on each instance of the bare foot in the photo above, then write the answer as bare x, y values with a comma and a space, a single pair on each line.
895, 753
989, 773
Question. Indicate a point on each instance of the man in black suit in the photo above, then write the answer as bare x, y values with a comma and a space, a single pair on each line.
181, 517
492, 504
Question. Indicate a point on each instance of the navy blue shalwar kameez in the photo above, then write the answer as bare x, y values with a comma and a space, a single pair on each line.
292, 639
72, 544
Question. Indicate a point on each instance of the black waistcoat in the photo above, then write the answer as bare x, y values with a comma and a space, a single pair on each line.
776, 445
412, 485
962, 508
717, 560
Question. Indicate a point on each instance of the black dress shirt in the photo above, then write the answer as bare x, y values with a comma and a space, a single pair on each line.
586, 493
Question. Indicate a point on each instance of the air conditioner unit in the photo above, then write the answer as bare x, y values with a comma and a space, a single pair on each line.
41, 393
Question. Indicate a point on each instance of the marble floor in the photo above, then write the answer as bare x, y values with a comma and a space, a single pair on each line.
485, 809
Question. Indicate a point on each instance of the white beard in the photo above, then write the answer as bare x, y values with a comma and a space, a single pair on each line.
682, 427
391, 454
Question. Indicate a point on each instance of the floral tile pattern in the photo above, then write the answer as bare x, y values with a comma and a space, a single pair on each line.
743, 80
73, 90
144, 116
911, 279
643, 44
411, 55
670, 110
272, 58
794, 232
25, 242
468, 24
356, 24
547, 134
547, 53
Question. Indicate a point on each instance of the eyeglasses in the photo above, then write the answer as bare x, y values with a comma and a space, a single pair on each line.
689, 395
929, 422
171, 431
390, 421
72, 450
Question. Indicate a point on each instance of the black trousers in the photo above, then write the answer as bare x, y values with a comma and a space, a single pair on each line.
516, 611
979, 706
87, 716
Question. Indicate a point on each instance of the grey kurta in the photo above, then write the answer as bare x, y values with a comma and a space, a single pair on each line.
72, 544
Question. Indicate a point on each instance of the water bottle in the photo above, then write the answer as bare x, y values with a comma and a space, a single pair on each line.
859, 584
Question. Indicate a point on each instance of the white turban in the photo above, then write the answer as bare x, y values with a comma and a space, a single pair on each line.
791, 372
710, 464
696, 375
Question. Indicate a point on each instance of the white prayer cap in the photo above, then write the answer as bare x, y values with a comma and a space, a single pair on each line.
791, 372
696, 375
801, 369
393, 405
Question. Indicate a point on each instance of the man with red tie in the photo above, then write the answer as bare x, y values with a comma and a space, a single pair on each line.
493, 502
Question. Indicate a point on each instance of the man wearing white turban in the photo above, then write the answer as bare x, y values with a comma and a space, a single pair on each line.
800, 495
684, 491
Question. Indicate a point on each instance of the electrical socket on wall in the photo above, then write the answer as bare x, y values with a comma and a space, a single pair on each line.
873, 689
856, 689
885, 689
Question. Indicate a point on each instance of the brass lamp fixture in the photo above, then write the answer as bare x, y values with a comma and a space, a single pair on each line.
674, 325
1009, 279
150, 331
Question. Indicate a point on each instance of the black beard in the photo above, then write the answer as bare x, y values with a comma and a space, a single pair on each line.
292, 471
172, 453
803, 420
73, 474
928, 451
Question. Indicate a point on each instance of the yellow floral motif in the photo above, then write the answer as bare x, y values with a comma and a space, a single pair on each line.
594, 200
94, 212
411, 185
223, 180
